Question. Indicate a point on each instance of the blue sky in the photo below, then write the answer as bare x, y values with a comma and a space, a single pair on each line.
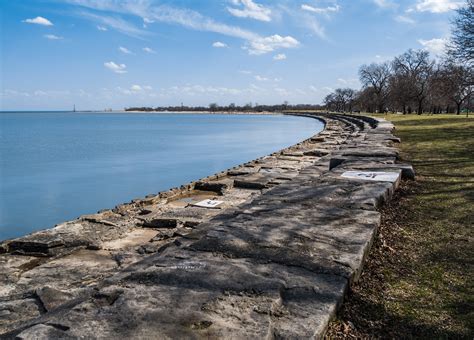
100, 54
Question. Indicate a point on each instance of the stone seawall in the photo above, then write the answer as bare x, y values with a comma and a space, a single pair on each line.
266, 249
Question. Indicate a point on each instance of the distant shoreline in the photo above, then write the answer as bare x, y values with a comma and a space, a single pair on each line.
143, 111
210, 112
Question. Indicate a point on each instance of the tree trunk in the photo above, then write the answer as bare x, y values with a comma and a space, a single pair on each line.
381, 108
458, 108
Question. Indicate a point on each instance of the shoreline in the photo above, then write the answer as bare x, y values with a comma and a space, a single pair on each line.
142, 111
291, 233
238, 113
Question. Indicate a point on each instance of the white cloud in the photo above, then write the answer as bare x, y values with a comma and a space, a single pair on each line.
404, 19
281, 91
124, 50
436, 46
260, 78
280, 56
117, 68
314, 26
320, 10
194, 20
307, 18
190, 19
348, 81
148, 50
139, 88
162, 13
212, 91
52, 37
39, 21
219, 44
271, 43
251, 10
51, 93
9, 92
147, 21
436, 6
116, 23
384, 3
101, 28
135, 90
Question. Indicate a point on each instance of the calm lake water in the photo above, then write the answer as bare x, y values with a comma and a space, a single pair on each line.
57, 166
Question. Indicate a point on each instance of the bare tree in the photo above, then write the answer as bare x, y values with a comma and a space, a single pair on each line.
400, 97
462, 41
416, 68
330, 102
341, 100
376, 76
455, 83
349, 98
366, 100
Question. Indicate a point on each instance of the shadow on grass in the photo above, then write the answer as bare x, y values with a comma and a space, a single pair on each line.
393, 326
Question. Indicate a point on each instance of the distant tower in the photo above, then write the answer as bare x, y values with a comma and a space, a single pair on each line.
74, 108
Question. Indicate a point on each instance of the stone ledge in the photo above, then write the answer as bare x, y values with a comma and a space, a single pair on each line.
275, 261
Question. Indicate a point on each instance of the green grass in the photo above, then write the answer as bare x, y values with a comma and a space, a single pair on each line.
419, 281
439, 289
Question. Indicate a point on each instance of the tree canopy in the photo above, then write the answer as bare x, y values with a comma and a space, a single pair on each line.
462, 40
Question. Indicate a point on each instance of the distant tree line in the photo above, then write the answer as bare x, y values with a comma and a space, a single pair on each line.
232, 107
413, 82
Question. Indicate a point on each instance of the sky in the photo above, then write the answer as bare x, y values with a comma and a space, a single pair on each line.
99, 54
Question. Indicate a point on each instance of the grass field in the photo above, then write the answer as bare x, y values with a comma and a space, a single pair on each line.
419, 278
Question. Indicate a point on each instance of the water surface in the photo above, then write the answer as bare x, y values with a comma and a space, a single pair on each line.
57, 166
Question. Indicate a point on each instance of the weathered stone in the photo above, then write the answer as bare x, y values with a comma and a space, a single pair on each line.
317, 139
37, 246
3, 248
160, 223
291, 235
163, 235
16, 311
338, 160
255, 181
52, 298
378, 152
44, 332
217, 187
316, 152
